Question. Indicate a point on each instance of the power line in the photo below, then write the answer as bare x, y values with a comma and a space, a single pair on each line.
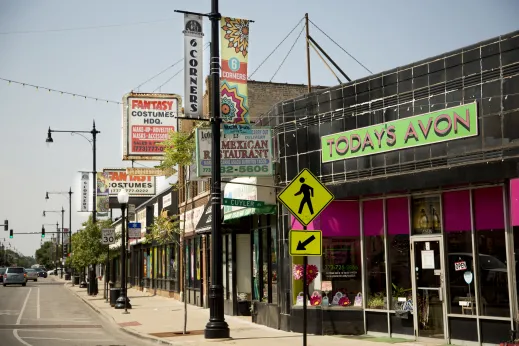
286, 56
182, 69
158, 74
344, 50
167, 68
37, 87
291, 31
83, 28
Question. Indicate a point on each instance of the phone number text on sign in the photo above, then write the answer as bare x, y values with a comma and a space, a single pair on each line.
241, 154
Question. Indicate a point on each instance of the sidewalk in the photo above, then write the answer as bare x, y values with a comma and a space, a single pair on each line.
162, 319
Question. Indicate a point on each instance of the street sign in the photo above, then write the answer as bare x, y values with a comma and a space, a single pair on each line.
134, 230
131, 210
243, 203
305, 243
108, 236
305, 197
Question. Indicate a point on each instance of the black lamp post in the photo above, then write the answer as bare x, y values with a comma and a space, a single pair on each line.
123, 302
62, 211
92, 141
216, 328
69, 217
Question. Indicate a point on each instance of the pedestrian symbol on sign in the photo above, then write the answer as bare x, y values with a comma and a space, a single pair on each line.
308, 193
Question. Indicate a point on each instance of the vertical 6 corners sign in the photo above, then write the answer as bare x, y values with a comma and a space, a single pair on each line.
147, 121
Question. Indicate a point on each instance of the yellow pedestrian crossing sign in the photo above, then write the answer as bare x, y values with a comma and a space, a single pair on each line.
305, 197
305, 243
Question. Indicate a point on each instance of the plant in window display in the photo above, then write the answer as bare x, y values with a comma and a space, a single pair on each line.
376, 301
400, 296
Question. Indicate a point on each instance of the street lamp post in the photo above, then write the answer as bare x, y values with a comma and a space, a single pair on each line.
92, 141
62, 211
123, 302
69, 218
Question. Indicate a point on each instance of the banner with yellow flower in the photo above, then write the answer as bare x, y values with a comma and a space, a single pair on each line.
234, 56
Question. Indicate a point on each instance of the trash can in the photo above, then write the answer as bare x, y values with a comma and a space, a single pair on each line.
67, 276
76, 280
115, 293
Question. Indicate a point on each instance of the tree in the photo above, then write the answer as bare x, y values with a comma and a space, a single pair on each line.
46, 254
87, 247
179, 150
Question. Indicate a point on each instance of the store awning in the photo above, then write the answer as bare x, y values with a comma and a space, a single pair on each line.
205, 223
236, 214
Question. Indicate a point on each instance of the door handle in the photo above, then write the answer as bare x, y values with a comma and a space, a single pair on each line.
440, 294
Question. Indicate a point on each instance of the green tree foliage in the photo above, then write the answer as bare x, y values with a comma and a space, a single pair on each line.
86, 244
179, 149
46, 254
165, 229
9, 257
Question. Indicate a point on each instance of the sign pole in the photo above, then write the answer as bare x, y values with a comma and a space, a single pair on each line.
305, 295
106, 274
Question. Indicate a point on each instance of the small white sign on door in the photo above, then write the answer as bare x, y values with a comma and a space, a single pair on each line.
428, 259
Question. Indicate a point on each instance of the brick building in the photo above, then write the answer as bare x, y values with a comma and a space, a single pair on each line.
262, 96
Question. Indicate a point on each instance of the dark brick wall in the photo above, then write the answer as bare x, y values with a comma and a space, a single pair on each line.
487, 72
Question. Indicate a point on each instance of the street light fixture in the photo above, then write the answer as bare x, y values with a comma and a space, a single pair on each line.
123, 302
69, 193
62, 211
92, 142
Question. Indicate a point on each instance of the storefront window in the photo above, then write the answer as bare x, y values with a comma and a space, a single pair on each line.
224, 267
490, 240
265, 268
373, 225
274, 268
426, 215
229, 265
397, 216
188, 263
255, 265
457, 224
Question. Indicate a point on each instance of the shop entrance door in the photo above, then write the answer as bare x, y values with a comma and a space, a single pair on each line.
428, 287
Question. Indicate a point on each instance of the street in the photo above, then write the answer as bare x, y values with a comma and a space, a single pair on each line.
46, 313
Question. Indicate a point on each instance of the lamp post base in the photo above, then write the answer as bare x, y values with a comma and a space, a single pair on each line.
216, 328
120, 303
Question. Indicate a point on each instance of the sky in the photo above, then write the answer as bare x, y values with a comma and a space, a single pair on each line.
105, 49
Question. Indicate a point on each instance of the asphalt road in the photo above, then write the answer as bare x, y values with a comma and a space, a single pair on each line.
45, 313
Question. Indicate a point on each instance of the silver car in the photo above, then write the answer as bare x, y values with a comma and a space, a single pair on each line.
15, 276
32, 274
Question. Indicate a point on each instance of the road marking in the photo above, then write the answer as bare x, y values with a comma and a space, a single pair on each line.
15, 333
36, 330
38, 305
39, 338
23, 306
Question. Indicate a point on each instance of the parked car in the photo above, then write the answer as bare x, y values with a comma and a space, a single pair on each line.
41, 272
15, 276
2, 272
31, 274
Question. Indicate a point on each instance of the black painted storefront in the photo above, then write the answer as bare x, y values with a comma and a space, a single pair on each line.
486, 73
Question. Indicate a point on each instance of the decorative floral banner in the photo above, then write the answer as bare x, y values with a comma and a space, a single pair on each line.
235, 56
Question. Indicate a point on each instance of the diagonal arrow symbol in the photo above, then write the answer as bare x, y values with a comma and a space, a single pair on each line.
301, 246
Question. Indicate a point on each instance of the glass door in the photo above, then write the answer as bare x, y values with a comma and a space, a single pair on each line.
428, 287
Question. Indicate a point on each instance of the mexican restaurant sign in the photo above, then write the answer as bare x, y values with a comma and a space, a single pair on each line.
444, 125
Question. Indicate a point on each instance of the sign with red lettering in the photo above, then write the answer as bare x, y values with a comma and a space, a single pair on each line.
241, 154
114, 180
147, 121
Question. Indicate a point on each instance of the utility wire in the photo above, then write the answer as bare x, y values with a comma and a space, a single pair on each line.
291, 31
290, 51
158, 74
167, 68
182, 69
338, 45
37, 87
83, 28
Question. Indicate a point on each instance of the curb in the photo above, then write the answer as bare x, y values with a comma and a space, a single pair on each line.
127, 331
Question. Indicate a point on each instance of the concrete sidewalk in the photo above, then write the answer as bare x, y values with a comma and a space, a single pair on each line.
161, 319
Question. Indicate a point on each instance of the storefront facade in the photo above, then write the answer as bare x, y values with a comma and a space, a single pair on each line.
155, 267
420, 240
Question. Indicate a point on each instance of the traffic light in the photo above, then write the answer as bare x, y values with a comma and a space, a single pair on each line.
11, 234
43, 232
6, 225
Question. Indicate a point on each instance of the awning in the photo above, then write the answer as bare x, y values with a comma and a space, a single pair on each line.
205, 223
236, 214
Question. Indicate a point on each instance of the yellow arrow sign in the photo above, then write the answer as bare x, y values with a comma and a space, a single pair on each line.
305, 197
305, 243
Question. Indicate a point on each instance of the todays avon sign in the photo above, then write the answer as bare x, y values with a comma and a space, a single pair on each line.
445, 125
